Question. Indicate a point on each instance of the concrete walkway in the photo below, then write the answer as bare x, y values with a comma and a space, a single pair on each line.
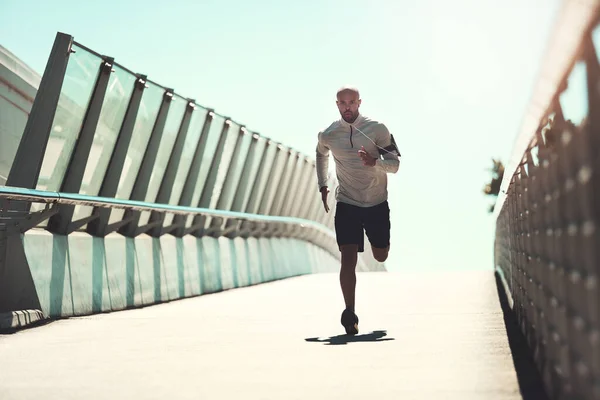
423, 336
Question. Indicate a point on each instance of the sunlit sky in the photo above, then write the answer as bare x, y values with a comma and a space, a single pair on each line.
450, 79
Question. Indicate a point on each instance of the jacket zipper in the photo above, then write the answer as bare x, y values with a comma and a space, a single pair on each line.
351, 144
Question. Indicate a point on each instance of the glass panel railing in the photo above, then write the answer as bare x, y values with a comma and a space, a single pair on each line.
235, 171
243, 193
212, 140
273, 180
80, 78
232, 136
166, 145
189, 147
290, 187
116, 100
262, 171
211, 186
146, 116
301, 187
171, 129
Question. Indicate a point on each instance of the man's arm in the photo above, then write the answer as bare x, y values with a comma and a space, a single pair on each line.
322, 162
391, 155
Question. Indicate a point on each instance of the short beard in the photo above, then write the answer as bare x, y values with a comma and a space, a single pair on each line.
351, 119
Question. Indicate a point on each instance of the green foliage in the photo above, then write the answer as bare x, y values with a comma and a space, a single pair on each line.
493, 188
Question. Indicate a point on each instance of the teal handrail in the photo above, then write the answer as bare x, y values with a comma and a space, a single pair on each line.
42, 196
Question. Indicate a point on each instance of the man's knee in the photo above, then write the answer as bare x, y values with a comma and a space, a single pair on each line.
349, 254
381, 257
380, 254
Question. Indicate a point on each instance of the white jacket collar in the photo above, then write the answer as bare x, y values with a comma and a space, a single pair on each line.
357, 121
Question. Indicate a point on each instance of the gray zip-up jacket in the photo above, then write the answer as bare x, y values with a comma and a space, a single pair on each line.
358, 184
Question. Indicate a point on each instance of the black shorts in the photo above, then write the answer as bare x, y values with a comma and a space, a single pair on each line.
350, 221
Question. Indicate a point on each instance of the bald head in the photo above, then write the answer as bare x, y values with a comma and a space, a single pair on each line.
351, 90
348, 102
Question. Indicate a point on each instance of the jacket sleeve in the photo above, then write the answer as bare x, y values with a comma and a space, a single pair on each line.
322, 162
390, 161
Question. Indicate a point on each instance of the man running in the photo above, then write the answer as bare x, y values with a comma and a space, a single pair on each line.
364, 152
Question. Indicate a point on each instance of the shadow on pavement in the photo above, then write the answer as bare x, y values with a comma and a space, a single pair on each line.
33, 325
375, 336
530, 381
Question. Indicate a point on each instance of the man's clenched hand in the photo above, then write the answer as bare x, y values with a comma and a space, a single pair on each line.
366, 158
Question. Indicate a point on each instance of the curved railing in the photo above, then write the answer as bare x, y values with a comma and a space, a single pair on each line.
117, 152
123, 193
98, 129
231, 224
548, 214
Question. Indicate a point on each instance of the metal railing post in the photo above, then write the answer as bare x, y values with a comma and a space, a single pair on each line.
197, 227
99, 226
191, 180
62, 221
166, 185
246, 181
26, 166
142, 182
230, 183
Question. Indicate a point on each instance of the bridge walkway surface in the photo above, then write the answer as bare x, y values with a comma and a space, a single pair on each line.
438, 335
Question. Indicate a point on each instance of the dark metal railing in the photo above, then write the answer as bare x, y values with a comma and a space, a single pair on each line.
547, 236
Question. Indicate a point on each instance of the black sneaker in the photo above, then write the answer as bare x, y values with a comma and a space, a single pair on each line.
350, 322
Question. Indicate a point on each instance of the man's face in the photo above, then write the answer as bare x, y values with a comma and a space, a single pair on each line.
348, 103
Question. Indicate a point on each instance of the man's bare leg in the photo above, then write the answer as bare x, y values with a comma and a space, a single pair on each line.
380, 254
348, 273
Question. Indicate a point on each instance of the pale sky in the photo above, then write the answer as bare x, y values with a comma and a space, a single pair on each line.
450, 79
